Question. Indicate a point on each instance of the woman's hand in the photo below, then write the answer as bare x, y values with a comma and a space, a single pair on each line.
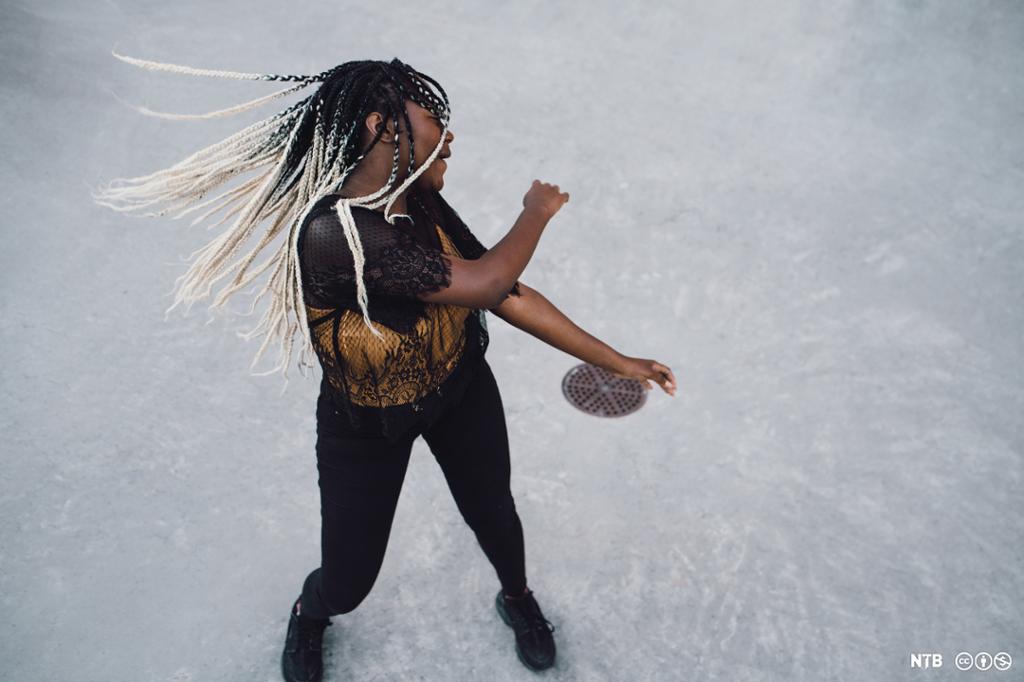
545, 198
647, 371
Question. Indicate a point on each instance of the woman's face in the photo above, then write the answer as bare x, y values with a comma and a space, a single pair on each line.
426, 130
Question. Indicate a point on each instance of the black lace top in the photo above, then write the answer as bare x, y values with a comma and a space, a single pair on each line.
374, 386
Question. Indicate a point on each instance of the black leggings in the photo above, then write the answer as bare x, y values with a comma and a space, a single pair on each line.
360, 478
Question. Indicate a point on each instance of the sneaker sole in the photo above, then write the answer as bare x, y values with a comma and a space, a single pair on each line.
499, 607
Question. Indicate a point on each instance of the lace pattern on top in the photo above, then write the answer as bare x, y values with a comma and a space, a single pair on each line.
410, 360
383, 385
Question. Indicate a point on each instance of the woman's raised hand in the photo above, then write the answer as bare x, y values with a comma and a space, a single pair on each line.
545, 198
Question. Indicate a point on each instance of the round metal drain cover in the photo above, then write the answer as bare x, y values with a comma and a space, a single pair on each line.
599, 392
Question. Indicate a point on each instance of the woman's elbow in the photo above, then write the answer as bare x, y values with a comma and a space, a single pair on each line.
498, 291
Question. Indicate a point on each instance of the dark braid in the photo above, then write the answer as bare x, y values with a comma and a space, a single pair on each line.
405, 94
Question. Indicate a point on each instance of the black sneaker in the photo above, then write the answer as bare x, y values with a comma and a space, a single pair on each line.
302, 660
534, 644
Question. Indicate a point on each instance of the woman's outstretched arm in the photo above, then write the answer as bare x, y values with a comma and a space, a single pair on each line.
535, 314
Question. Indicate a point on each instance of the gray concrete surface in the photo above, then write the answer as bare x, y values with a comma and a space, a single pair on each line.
811, 211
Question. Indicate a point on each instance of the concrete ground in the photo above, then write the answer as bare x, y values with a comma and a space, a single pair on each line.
811, 211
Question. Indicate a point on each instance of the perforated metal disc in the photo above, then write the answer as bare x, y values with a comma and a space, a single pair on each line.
599, 392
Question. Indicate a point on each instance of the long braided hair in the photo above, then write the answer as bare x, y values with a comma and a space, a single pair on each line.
308, 150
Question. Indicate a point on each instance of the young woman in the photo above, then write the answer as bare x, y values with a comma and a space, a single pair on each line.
388, 287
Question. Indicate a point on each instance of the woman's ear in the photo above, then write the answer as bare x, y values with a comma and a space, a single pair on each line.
374, 121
